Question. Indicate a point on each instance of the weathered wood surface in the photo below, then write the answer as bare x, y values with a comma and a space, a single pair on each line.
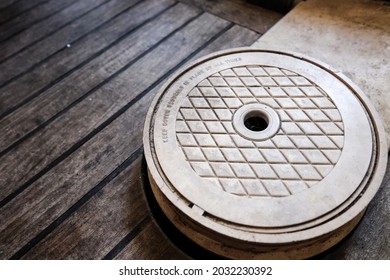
66, 61
70, 182
117, 225
102, 222
29, 18
234, 37
90, 113
44, 27
240, 12
29, 117
65, 92
148, 245
6, 3
30, 57
12, 8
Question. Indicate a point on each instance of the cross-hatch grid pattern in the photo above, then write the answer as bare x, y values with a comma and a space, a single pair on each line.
302, 153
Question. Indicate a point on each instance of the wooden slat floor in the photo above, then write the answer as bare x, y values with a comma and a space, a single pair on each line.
76, 81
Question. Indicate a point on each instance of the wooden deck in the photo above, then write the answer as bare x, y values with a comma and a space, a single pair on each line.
76, 81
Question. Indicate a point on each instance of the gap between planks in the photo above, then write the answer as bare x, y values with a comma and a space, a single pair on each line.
240, 12
44, 28
168, 47
89, 132
217, 45
35, 55
106, 63
10, 9
26, 20
65, 62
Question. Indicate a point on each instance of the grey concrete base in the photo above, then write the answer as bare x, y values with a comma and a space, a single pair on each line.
353, 36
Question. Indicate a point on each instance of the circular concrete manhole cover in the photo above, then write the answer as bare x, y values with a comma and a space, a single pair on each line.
261, 154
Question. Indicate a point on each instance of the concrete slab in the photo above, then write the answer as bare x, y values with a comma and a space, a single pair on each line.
353, 36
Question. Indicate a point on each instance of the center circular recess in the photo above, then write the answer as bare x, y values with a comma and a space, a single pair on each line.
256, 121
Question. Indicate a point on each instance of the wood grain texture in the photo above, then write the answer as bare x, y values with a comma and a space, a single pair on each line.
58, 41
78, 83
240, 12
53, 194
151, 244
81, 199
61, 64
235, 37
92, 231
85, 116
66, 182
31, 17
6, 3
52, 101
12, 8
86, 218
33, 33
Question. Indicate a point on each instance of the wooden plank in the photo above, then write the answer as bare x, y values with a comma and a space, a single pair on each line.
235, 37
6, 3
151, 244
62, 63
54, 192
109, 63
45, 27
33, 55
240, 12
12, 8
29, 158
52, 195
27, 19
74, 86
98, 225
119, 146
